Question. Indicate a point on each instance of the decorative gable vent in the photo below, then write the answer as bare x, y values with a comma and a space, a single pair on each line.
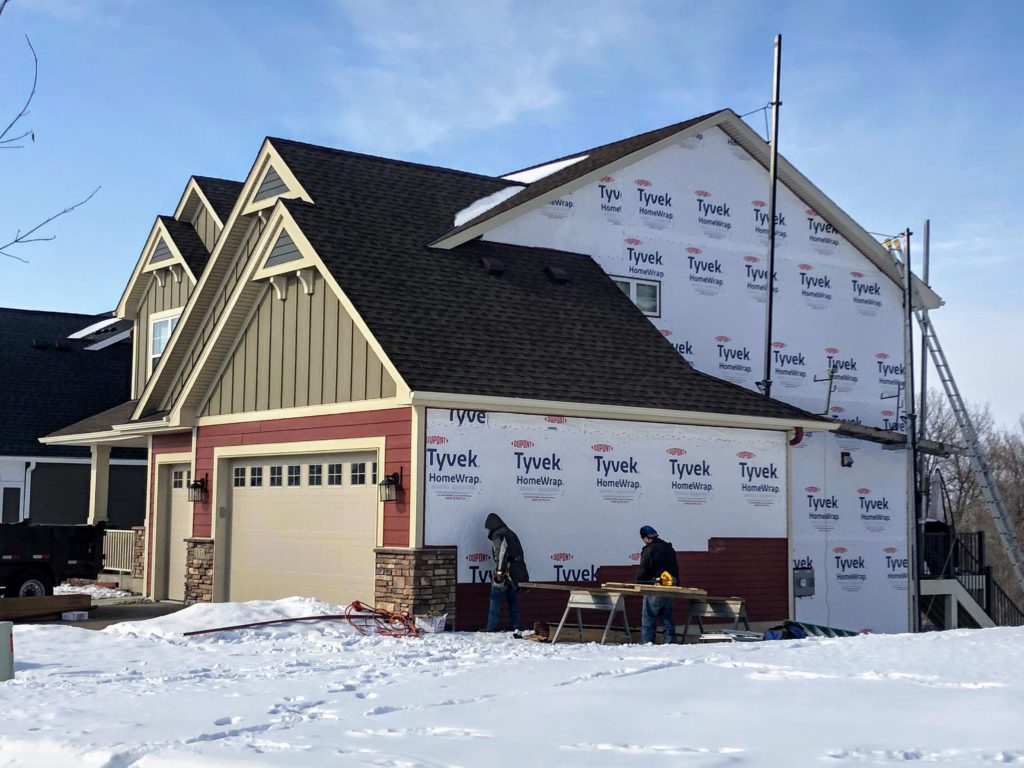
161, 253
272, 186
284, 251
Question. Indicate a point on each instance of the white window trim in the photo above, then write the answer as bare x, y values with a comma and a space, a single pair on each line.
160, 317
633, 283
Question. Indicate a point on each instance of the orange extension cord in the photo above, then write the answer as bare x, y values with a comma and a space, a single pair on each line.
365, 620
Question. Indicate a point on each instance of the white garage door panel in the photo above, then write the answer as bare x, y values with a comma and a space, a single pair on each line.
309, 540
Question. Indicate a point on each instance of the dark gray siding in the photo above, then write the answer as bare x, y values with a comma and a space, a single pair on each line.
60, 494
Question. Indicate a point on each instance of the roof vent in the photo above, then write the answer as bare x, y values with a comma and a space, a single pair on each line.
557, 275
492, 266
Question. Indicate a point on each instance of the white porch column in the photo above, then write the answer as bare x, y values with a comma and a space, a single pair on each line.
99, 478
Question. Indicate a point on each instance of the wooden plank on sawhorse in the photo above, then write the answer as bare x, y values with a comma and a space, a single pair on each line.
583, 600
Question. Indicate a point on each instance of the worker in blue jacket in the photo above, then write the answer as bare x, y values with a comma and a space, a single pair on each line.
657, 566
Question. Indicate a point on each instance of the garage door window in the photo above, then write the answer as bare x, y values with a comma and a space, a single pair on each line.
294, 475
358, 473
178, 479
256, 477
275, 477
334, 474
239, 477
316, 474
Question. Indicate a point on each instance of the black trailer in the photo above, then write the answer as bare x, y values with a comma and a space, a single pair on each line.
33, 558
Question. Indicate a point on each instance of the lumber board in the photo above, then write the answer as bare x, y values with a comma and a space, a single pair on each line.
19, 608
620, 586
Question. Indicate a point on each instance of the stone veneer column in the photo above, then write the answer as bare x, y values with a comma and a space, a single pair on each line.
416, 581
198, 571
139, 552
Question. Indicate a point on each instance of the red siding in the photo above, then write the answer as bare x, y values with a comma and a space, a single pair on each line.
394, 424
754, 569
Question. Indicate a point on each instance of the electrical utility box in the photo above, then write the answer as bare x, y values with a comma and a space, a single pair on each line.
6, 650
803, 582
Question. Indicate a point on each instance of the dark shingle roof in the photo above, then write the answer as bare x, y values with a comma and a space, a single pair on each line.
221, 193
598, 157
48, 381
450, 326
192, 249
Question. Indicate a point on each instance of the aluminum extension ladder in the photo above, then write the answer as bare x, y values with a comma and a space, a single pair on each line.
976, 454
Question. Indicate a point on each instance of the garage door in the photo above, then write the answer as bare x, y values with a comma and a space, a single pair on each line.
303, 525
179, 528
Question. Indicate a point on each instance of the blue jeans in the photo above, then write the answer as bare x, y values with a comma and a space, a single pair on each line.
656, 608
501, 593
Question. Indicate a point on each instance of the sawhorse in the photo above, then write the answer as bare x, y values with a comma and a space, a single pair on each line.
584, 600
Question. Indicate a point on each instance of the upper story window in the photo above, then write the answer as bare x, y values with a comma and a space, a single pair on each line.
646, 294
160, 329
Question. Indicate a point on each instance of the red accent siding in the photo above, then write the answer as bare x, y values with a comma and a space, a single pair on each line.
394, 424
754, 569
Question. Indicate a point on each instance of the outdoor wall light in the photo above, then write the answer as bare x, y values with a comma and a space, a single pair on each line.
845, 459
389, 486
197, 489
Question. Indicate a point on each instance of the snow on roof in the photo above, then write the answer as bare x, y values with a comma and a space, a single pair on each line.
531, 175
484, 204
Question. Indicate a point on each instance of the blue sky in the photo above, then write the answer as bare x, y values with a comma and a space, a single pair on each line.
898, 111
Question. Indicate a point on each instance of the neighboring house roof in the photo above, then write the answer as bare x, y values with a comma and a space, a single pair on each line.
222, 194
50, 380
191, 247
451, 326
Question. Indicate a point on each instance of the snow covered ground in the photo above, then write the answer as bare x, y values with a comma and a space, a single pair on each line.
96, 592
141, 694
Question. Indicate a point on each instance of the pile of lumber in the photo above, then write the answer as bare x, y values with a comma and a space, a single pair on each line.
21, 608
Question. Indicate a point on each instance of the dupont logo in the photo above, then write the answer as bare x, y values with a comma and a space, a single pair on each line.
634, 556
561, 557
863, 491
436, 440
806, 267
812, 489
881, 356
745, 454
693, 250
555, 419
675, 451
831, 350
601, 447
857, 275
665, 332
811, 212
643, 183
890, 550
751, 259
778, 345
837, 409
722, 339
633, 241
701, 193
607, 179
522, 444
888, 414
476, 557
840, 550
758, 203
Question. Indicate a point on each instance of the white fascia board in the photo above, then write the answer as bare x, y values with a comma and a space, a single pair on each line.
108, 342
95, 327
618, 412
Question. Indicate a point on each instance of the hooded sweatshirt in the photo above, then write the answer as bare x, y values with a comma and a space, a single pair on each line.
507, 551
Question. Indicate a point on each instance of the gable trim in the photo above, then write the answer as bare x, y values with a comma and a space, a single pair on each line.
280, 220
193, 188
272, 162
133, 290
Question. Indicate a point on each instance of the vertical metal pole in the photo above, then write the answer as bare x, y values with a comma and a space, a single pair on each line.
923, 405
913, 526
766, 382
6, 650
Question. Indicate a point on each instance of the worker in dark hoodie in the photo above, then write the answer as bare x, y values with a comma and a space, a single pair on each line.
657, 566
509, 572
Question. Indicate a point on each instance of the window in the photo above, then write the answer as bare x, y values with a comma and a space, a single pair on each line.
316, 474
275, 477
294, 475
159, 334
334, 474
646, 294
178, 479
239, 477
374, 470
256, 477
358, 473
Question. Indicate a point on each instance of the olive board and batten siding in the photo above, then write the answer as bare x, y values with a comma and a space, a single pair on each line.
206, 227
173, 294
302, 351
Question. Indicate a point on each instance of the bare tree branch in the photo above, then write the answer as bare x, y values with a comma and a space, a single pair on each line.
21, 238
6, 141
